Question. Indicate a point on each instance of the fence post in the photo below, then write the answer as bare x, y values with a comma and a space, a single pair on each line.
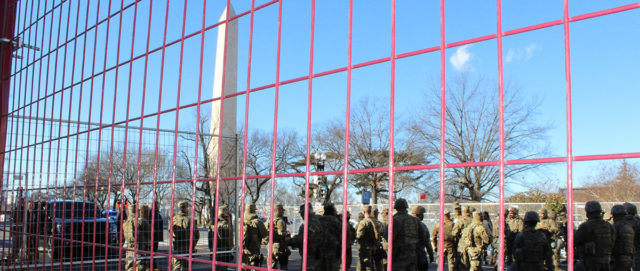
8, 20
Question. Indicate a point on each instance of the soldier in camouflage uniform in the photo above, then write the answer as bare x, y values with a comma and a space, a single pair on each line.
516, 225
136, 238
450, 243
254, 234
623, 247
495, 242
457, 212
379, 252
472, 240
458, 226
549, 227
333, 241
385, 244
368, 236
315, 240
633, 219
280, 252
225, 237
557, 244
531, 249
181, 234
594, 239
424, 251
407, 235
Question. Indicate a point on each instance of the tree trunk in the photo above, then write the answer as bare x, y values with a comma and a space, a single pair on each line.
374, 195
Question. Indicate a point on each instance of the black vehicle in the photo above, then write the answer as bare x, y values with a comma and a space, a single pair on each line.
73, 226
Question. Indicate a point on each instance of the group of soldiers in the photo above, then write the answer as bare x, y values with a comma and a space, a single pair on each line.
532, 242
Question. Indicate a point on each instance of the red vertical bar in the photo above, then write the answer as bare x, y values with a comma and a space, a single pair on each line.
51, 239
25, 222
8, 11
48, 238
95, 209
220, 122
567, 67
391, 131
246, 121
501, 112
37, 212
113, 118
155, 158
104, 79
140, 131
275, 138
345, 174
66, 159
127, 120
308, 147
198, 107
442, 135
175, 133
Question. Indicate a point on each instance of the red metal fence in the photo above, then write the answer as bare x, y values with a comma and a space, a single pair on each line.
79, 80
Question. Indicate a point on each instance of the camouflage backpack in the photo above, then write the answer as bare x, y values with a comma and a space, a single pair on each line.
466, 238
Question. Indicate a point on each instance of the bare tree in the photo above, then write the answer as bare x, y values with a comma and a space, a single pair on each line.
207, 166
473, 132
259, 158
129, 174
618, 183
369, 145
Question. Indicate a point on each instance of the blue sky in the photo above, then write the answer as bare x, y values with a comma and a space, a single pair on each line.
604, 55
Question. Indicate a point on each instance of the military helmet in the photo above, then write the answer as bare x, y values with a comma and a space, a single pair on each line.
631, 208
531, 216
618, 210
144, 210
401, 204
465, 209
223, 208
592, 207
447, 214
301, 210
513, 210
418, 210
183, 204
250, 208
553, 215
542, 211
329, 208
477, 215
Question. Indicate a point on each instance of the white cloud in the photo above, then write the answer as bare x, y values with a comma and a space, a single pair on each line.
510, 55
528, 50
521, 54
460, 59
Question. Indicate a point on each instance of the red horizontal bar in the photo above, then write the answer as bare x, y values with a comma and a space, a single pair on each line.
383, 169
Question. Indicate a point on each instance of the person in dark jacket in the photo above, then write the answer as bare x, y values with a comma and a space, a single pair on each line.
157, 225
